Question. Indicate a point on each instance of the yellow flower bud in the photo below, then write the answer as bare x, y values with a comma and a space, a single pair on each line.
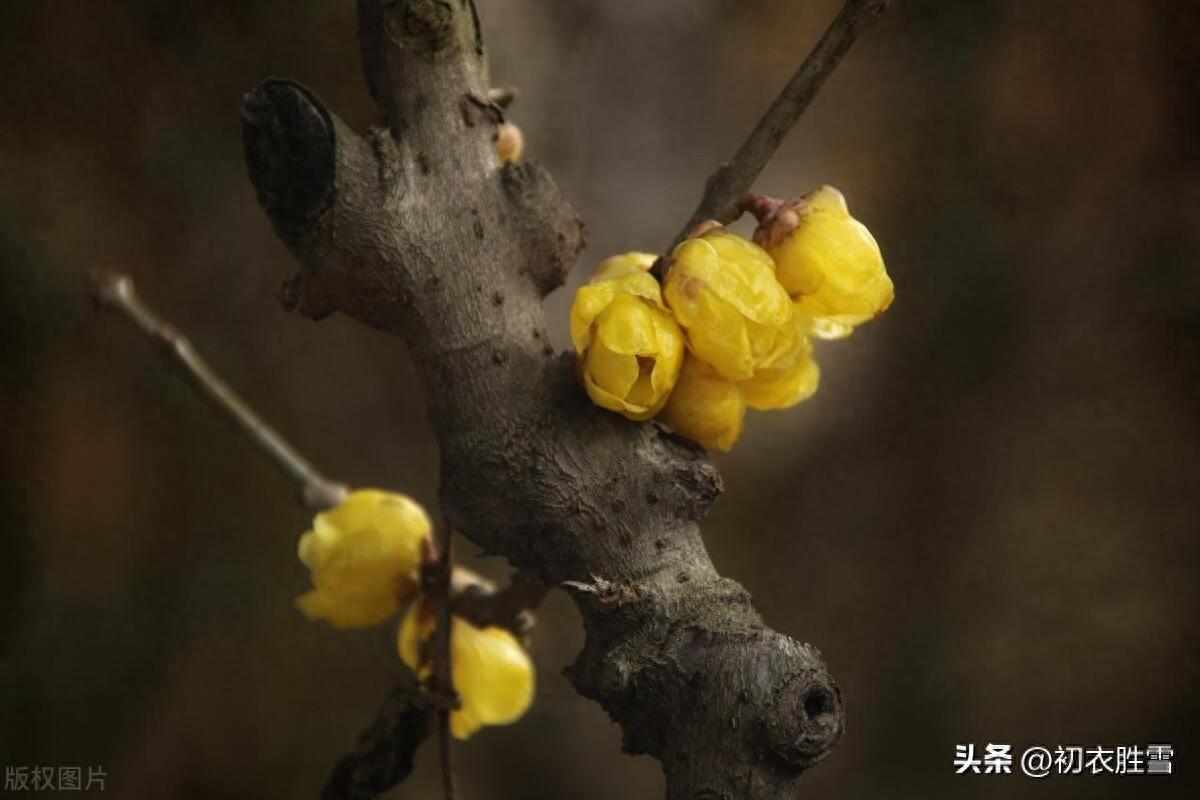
827, 261
630, 347
625, 264
510, 142
723, 291
705, 407
363, 557
782, 387
491, 672
787, 374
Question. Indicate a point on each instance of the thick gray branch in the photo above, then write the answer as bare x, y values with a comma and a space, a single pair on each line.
416, 229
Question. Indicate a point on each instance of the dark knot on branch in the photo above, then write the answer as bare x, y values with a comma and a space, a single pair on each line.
807, 720
424, 24
288, 138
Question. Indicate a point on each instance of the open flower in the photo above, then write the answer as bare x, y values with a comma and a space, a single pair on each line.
705, 407
363, 557
722, 290
629, 346
491, 672
826, 260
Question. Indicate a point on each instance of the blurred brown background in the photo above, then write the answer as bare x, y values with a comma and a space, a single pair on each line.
986, 518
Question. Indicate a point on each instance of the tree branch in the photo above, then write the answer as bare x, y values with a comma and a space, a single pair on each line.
384, 755
418, 230
116, 291
470, 595
437, 572
726, 186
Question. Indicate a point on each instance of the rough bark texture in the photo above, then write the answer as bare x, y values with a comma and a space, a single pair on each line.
416, 229
384, 755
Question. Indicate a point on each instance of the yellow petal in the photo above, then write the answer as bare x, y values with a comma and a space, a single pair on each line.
720, 337
492, 673
828, 199
610, 372
705, 407
589, 302
722, 290
627, 326
738, 271
363, 557
632, 348
832, 267
592, 299
623, 265
781, 388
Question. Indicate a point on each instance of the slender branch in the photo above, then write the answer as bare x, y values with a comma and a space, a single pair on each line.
116, 291
437, 579
385, 750
734, 178
510, 607
473, 597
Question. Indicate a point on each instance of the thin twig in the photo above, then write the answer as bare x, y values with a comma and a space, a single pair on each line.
438, 580
116, 291
510, 607
733, 179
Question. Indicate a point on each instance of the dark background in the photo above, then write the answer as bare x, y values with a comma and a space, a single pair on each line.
986, 518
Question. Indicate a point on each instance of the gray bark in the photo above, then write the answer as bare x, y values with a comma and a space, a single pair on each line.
415, 229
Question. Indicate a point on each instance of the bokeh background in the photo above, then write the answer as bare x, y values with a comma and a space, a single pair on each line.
986, 518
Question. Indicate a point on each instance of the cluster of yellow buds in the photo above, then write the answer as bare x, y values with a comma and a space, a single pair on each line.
364, 557
729, 327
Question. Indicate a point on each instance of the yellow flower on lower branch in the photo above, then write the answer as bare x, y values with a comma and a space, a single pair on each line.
492, 673
363, 556
629, 346
705, 407
827, 261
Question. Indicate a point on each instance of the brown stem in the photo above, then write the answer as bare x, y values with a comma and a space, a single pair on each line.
734, 178
511, 607
437, 579
116, 291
